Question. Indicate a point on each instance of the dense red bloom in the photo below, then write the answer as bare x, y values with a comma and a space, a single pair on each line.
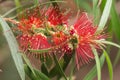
35, 42
39, 41
85, 32
59, 40
26, 25
38, 17
23, 41
56, 17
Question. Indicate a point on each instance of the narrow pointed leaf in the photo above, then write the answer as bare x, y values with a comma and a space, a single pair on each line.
93, 72
96, 11
28, 63
117, 58
97, 63
105, 15
59, 67
17, 3
39, 75
110, 68
36, 2
40, 50
13, 48
44, 69
108, 42
115, 20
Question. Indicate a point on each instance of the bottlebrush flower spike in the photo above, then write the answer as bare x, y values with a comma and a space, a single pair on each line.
39, 41
60, 40
85, 32
34, 42
38, 17
56, 17
26, 25
24, 41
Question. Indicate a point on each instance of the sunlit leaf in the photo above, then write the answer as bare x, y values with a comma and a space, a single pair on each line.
115, 20
108, 42
96, 11
13, 48
44, 69
117, 58
59, 67
97, 63
105, 15
93, 72
109, 64
40, 51
83, 4
36, 2
28, 63
39, 75
17, 3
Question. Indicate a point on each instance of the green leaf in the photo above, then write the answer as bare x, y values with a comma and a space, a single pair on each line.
59, 67
93, 72
28, 63
49, 61
44, 69
63, 63
117, 58
36, 2
30, 74
17, 3
83, 4
53, 72
107, 42
97, 62
77, 2
104, 16
115, 22
39, 75
40, 51
55, 1
72, 66
110, 68
96, 11
13, 48
102, 5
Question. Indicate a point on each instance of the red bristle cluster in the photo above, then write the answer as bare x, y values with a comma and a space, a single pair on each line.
85, 31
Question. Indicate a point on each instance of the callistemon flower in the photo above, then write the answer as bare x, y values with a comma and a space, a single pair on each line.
33, 20
59, 37
56, 17
38, 17
27, 24
60, 41
84, 30
24, 41
39, 41
35, 42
